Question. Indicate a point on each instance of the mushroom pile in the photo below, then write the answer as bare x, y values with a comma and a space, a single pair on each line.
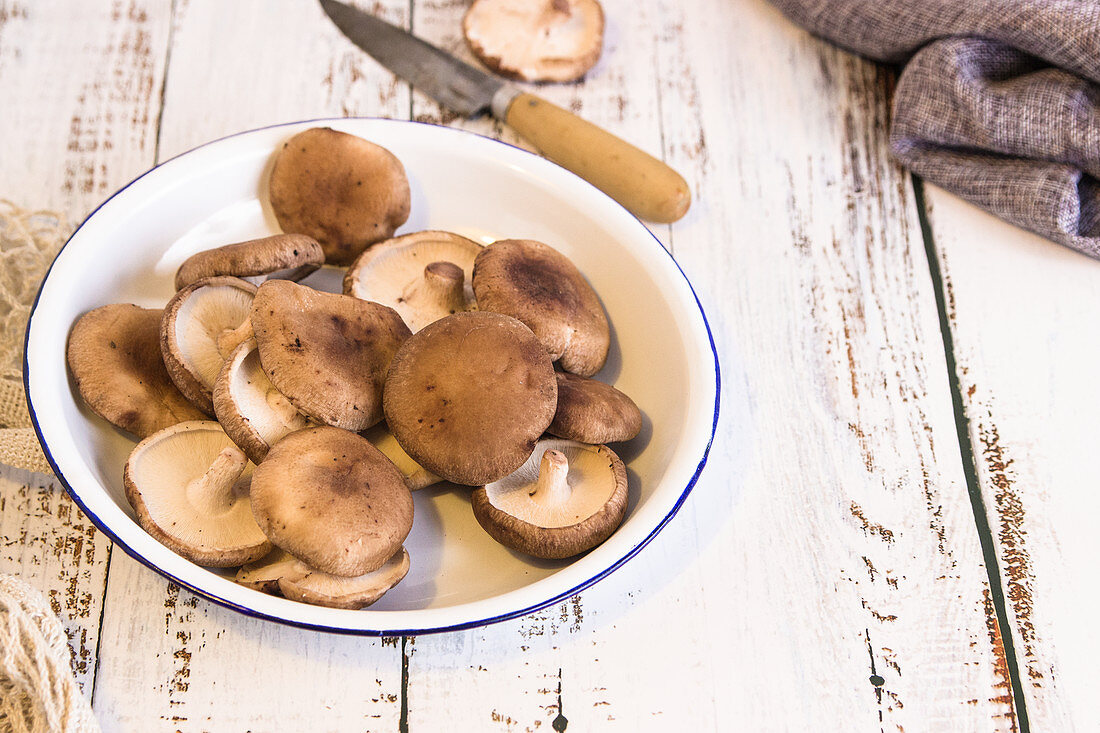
442, 360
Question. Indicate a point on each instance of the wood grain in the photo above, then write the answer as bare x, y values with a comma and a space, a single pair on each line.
79, 83
48, 542
86, 119
825, 573
252, 64
1021, 310
848, 533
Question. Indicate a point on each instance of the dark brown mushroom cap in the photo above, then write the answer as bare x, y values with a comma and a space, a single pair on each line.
593, 412
541, 287
340, 189
281, 572
202, 325
536, 40
327, 353
333, 591
114, 357
331, 499
286, 256
469, 395
516, 513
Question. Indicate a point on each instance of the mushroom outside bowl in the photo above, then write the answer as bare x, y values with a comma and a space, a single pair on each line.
662, 355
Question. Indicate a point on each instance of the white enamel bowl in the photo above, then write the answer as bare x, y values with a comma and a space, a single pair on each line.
662, 355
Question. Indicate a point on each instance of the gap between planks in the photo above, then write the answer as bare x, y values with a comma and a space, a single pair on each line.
970, 471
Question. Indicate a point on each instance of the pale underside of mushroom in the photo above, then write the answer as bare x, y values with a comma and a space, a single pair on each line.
208, 329
189, 487
203, 325
416, 476
254, 414
567, 499
423, 276
282, 572
536, 40
560, 496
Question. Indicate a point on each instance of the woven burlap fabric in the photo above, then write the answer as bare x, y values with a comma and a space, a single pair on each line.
998, 101
37, 691
28, 242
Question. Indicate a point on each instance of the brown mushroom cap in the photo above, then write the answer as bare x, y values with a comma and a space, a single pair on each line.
536, 40
331, 499
282, 256
541, 287
202, 325
424, 276
468, 396
342, 190
282, 572
254, 414
114, 356
592, 412
566, 498
185, 484
327, 353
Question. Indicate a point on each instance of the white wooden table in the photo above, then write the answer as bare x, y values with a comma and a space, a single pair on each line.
896, 528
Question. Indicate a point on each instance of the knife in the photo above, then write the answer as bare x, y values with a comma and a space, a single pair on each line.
644, 185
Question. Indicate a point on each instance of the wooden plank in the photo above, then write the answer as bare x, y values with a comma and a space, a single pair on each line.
80, 82
1021, 312
48, 542
87, 78
828, 551
252, 64
825, 573
200, 666
850, 526
175, 661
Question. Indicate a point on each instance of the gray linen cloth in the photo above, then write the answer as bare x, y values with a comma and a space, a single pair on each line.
998, 101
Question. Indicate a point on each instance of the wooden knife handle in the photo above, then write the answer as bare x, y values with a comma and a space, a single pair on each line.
644, 185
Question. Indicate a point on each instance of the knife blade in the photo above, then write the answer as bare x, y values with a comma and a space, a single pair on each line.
646, 186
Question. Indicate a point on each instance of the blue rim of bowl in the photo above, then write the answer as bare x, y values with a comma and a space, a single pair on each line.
247, 611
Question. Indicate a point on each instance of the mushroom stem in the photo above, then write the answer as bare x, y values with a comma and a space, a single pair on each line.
212, 493
421, 478
280, 405
442, 285
552, 486
229, 339
443, 274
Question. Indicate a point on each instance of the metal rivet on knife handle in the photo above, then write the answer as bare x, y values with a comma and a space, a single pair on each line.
646, 186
